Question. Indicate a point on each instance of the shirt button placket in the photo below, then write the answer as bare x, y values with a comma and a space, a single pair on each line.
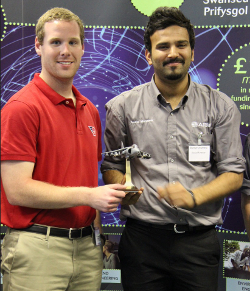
172, 147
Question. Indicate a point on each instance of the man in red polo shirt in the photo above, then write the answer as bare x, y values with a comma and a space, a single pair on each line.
51, 145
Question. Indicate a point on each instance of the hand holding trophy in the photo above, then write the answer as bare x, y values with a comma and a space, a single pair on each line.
128, 153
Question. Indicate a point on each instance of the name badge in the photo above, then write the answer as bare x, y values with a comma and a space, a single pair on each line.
97, 237
199, 153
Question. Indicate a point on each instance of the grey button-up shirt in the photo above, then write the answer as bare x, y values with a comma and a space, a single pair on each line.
141, 116
246, 182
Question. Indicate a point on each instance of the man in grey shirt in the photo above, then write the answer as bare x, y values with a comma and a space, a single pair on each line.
192, 133
245, 190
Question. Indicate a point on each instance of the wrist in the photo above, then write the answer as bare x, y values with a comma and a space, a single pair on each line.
192, 194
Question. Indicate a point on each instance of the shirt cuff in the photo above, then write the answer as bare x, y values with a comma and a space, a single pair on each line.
235, 165
245, 189
106, 166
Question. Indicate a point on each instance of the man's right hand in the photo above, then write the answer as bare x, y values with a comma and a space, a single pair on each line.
107, 198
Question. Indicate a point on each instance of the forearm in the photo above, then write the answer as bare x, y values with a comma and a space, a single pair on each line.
219, 188
245, 206
41, 195
112, 177
22, 190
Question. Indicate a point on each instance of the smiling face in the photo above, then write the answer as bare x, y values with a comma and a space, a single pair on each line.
61, 51
171, 54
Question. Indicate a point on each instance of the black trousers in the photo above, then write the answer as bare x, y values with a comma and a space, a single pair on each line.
162, 260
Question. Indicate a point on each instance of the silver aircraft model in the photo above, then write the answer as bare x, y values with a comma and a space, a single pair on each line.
128, 153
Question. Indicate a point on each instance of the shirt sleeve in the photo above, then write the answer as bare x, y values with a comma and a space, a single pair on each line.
246, 182
228, 145
114, 135
18, 144
99, 128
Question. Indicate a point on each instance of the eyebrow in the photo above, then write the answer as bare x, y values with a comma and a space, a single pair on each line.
58, 38
167, 42
183, 41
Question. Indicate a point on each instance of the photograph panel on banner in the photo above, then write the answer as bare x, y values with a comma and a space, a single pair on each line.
236, 265
111, 273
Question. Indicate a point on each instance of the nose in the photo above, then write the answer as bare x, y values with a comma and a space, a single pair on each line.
65, 50
173, 52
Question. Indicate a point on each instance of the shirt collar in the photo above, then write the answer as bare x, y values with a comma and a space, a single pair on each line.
190, 88
53, 96
158, 97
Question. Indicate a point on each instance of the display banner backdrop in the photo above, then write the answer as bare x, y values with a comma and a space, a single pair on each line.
114, 61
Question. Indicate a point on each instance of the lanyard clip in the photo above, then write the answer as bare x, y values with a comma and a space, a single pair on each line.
199, 137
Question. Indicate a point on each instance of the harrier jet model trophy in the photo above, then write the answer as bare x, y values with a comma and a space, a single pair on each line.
128, 153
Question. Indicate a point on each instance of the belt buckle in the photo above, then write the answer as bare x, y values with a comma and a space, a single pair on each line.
176, 231
70, 230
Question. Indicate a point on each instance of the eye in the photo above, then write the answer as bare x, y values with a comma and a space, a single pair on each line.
182, 45
55, 42
163, 47
74, 42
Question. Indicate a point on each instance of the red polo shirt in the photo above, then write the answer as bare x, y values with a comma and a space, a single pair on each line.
64, 142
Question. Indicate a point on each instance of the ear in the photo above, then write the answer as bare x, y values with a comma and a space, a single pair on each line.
37, 47
192, 55
148, 57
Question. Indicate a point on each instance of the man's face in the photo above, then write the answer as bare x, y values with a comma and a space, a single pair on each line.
171, 54
61, 51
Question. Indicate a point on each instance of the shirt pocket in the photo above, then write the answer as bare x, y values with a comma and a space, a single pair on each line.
8, 251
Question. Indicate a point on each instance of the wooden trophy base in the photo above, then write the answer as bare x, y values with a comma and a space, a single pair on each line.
131, 189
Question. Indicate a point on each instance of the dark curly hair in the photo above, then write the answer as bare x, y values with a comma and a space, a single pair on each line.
164, 17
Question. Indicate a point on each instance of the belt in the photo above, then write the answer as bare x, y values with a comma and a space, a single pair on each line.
71, 233
177, 228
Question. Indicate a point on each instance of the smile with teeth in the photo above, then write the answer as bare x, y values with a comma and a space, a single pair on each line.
65, 63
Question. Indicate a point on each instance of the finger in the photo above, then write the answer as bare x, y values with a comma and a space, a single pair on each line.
117, 186
114, 205
129, 195
115, 201
135, 198
114, 208
120, 194
131, 200
161, 192
140, 191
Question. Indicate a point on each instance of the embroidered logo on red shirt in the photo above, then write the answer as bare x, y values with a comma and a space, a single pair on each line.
92, 130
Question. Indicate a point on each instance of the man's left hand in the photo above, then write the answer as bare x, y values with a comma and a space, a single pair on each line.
132, 197
176, 195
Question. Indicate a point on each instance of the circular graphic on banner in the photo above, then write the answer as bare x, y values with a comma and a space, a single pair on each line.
147, 7
234, 80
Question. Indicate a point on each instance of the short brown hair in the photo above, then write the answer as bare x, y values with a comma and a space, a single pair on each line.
110, 246
57, 13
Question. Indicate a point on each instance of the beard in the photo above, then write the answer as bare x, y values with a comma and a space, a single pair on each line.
173, 76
